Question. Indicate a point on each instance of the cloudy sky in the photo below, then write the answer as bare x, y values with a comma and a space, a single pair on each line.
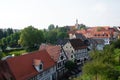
40, 13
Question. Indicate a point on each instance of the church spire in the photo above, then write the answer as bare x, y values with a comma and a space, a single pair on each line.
76, 21
76, 25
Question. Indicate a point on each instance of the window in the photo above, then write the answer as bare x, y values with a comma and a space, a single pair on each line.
40, 66
72, 51
59, 64
62, 57
71, 56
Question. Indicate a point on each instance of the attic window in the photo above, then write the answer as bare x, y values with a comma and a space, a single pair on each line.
38, 65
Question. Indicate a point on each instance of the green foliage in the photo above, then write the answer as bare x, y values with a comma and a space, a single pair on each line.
17, 52
116, 44
51, 27
8, 38
1, 33
3, 44
51, 36
2, 55
70, 65
9, 31
31, 38
102, 65
81, 26
62, 35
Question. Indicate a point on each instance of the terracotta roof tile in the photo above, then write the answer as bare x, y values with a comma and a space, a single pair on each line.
53, 51
4, 71
22, 66
98, 30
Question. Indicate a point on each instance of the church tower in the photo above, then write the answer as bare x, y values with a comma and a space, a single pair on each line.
76, 24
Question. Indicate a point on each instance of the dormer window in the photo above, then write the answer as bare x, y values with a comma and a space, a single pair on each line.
38, 65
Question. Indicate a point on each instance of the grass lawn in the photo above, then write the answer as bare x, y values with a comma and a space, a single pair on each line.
15, 52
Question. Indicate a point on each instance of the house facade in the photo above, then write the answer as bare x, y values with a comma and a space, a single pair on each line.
76, 50
36, 65
58, 55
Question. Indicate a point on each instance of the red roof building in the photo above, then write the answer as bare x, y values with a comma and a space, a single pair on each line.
99, 32
58, 55
53, 51
22, 67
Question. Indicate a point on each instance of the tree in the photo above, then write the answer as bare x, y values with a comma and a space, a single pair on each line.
70, 65
51, 27
9, 31
1, 33
52, 36
62, 35
81, 26
62, 29
102, 65
31, 38
116, 44
3, 44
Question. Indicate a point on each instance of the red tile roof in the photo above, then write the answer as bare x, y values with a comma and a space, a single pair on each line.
102, 34
4, 71
54, 51
98, 30
22, 66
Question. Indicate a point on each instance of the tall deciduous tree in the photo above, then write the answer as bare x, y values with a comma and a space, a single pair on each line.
9, 31
31, 38
51, 27
3, 44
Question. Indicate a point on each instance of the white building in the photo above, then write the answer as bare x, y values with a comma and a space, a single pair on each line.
76, 50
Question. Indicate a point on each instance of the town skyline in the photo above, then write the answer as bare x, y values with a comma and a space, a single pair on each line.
42, 13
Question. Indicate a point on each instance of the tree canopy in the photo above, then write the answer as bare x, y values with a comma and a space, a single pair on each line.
31, 38
102, 65
51, 27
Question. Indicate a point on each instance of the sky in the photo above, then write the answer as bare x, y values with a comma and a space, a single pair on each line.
19, 14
